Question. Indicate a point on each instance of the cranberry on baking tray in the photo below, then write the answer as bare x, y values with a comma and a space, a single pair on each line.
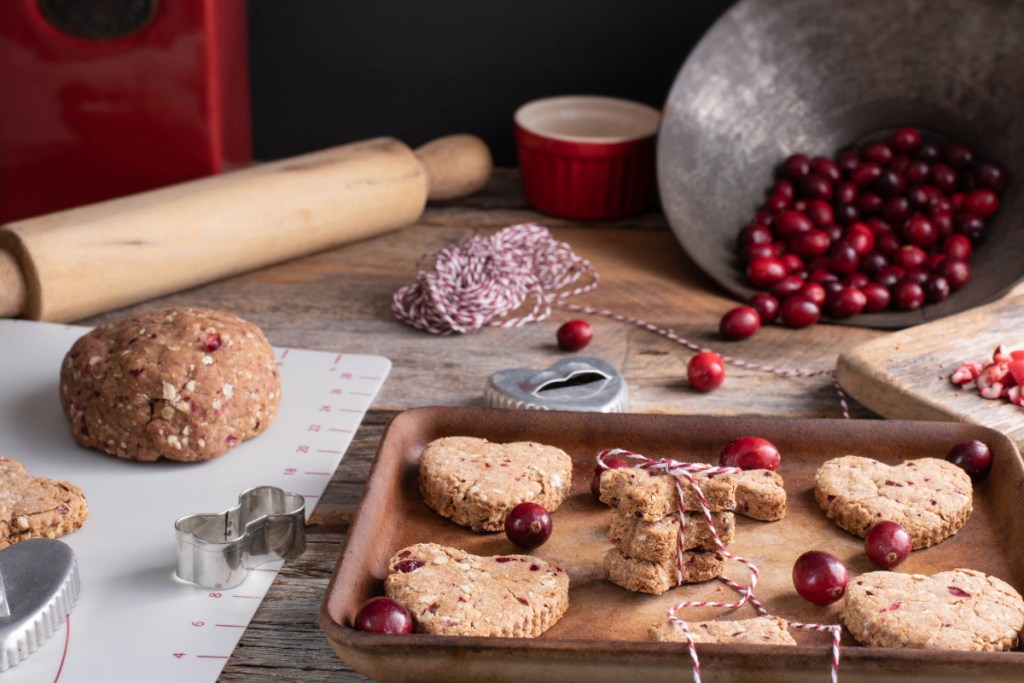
750, 453
820, 577
528, 525
888, 544
383, 615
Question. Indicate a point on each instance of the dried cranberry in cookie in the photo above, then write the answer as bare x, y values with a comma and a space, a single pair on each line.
181, 383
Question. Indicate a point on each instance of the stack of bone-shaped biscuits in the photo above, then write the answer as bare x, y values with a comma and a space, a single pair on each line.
645, 524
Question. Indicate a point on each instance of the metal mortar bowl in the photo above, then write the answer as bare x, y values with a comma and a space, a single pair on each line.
774, 78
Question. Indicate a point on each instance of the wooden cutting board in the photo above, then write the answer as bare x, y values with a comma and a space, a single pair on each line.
905, 375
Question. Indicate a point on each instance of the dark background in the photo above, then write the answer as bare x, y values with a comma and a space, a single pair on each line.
326, 72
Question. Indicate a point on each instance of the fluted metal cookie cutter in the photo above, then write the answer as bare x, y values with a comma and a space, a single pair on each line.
218, 550
579, 383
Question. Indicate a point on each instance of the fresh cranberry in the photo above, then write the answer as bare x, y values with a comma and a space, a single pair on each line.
910, 256
890, 275
928, 151
787, 287
756, 251
917, 172
920, 275
528, 525
908, 295
865, 174
990, 175
877, 152
776, 203
943, 222
810, 244
822, 275
890, 183
876, 297
860, 238
905, 139
754, 234
846, 213
982, 202
783, 187
796, 166
706, 371
944, 177
793, 264
383, 615
798, 311
843, 258
742, 321
870, 203
826, 168
846, 193
872, 262
816, 187
901, 163
920, 231
935, 261
936, 289
848, 160
969, 224
813, 291
766, 305
877, 226
820, 212
820, 577
888, 544
957, 247
896, 210
846, 303
972, 456
574, 335
595, 481
959, 156
957, 272
750, 453
765, 272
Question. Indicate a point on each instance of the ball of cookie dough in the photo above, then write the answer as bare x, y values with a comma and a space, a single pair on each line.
181, 383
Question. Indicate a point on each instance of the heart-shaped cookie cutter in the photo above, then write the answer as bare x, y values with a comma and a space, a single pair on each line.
218, 550
579, 383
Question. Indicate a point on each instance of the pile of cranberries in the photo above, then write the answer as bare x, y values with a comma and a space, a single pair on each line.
887, 224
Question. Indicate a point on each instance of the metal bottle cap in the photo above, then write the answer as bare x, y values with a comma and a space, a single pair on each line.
578, 383
40, 586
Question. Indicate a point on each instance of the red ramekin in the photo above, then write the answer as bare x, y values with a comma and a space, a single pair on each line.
586, 157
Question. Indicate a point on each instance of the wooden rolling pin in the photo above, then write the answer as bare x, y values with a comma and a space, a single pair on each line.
76, 263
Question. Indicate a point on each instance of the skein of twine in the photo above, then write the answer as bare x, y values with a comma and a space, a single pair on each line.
685, 474
482, 281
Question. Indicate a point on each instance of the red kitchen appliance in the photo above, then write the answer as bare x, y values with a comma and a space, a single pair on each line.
103, 98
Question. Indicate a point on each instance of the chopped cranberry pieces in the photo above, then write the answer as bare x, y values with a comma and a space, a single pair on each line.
212, 341
407, 566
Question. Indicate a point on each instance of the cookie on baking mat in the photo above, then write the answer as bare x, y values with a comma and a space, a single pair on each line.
451, 592
930, 498
655, 541
180, 383
34, 507
757, 631
760, 495
960, 609
642, 576
650, 495
475, 483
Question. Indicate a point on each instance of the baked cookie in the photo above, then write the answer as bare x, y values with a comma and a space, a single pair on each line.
34, 507
451, 592
475, 483
649, 495
181, 383
756, 631
930, 498
960, 609
760, 495
642, 576
655, 541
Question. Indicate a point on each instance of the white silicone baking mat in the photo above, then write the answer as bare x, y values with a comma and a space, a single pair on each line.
134, 620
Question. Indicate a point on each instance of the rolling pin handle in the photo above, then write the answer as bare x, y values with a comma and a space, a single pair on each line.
13, 290
456, 166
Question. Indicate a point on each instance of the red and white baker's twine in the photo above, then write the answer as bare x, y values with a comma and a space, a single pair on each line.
481, 281
685, 475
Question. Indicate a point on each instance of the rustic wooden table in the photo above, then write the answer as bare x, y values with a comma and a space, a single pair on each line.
340, 301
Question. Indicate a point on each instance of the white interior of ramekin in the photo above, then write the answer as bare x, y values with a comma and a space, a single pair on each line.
588, 118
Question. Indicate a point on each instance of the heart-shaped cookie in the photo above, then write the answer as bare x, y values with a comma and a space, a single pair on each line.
451, 592
475, 482
960, 609
34, 507
930, 498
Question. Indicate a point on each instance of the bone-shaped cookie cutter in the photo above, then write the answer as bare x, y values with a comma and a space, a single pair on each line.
218, 550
